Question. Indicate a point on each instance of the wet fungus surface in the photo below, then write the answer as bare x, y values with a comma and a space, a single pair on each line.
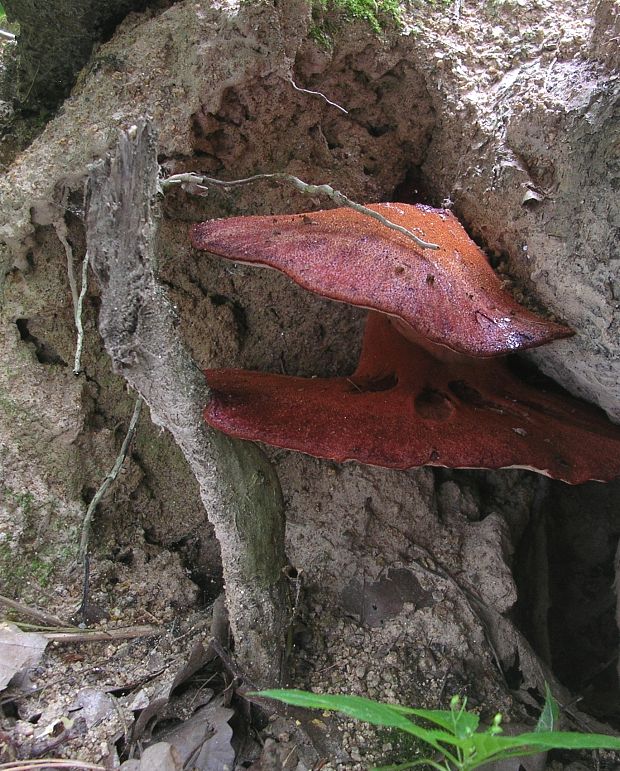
449, 296
431, 386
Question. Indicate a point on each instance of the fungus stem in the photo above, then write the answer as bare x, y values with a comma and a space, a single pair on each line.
336, 196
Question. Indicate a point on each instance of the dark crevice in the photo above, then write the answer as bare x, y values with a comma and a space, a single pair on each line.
56, 40
45, 353
238, 312
210, 582
379, 131
564, 569
415, 188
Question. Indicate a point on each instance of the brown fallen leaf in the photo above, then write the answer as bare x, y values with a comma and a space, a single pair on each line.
19, 651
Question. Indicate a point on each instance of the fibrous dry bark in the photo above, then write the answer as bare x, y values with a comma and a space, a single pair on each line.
238, 487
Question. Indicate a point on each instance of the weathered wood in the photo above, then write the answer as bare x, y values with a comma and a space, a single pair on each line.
238, 487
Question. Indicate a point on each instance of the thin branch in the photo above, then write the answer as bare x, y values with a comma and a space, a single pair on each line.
317, 93
46, 619
109, 478
61, 231
4, 35
336, 196
26, 765
77, 363
83, 609
122, 633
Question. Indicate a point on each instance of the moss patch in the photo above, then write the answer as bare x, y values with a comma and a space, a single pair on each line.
28, 563
377, 13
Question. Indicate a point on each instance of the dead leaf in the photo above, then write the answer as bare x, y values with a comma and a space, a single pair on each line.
95, 705
217, 753
157, 757
203, 742
19, 651
198, 657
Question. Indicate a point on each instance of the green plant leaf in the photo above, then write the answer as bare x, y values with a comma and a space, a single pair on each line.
568, 740
369, 711
488, 747
472, 748
550, 714
460, 722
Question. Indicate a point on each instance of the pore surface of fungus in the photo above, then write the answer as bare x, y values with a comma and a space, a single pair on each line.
404, 408
449, 296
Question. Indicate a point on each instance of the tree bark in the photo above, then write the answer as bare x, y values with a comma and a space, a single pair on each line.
238, 487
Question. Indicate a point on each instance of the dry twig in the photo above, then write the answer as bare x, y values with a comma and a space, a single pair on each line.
47, 619
77, 363
104, 635
335, 195
109, 478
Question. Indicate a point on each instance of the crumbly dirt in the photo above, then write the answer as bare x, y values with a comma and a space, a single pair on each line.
412, 586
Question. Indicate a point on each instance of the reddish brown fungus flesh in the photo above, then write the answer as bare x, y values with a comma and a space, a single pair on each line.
449, 296
403, 408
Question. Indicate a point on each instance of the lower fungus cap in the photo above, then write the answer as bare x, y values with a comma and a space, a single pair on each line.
403, 408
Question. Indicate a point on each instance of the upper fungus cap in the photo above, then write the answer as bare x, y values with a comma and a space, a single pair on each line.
449, 296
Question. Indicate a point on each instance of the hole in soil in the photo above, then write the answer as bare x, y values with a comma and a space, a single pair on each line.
513, 674
414, 189
209, 579
567, 603
238, 311
45, 353
379, 131
88, 493
9, 709
123, 554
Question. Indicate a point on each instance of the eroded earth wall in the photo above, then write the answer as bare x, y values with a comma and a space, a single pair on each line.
515, 128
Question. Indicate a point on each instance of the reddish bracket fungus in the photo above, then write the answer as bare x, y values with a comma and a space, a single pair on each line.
405, 406
449, 296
